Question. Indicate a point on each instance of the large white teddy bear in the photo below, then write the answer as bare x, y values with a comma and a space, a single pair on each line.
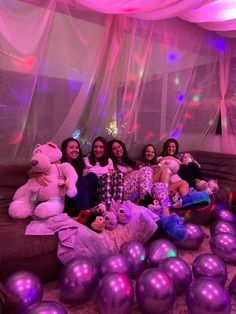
33, 199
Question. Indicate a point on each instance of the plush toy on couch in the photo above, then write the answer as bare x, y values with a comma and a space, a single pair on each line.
92, 219
209, 187
172, 164
42, 202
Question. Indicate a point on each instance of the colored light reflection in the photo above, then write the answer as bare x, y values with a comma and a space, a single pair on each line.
76, 134
149, 136
172, 57
17, 139
172, 253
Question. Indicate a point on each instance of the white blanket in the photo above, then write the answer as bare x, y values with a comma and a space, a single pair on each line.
76, 239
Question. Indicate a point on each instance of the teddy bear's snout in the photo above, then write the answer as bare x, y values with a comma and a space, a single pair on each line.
34, 162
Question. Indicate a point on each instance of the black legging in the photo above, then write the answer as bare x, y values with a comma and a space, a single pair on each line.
86, 187
190, 173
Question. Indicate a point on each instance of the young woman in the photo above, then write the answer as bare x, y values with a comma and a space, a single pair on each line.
86, 184
148, 158
110, 183
137, 182
190, 171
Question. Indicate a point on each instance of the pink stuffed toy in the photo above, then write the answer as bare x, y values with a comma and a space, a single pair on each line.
172, 164
39, 201
209, 187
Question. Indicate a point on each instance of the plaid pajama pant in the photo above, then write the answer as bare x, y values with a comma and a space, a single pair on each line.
110, 187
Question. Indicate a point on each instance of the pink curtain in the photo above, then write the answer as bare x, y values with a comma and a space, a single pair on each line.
67, 70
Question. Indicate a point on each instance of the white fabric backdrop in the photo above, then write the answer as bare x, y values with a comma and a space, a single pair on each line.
68, 70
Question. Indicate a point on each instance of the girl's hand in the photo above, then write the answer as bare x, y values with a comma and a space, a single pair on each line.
43, 180
111, 171
85, 172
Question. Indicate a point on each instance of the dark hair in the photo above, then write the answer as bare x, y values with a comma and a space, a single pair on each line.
104, 159
143, 155
77, 163
166, 144
125, 157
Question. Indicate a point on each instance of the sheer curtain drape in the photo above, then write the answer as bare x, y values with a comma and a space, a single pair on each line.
67, 70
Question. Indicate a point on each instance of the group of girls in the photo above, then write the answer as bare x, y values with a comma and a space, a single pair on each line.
109, 173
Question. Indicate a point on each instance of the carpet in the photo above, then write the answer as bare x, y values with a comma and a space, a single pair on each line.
51, 291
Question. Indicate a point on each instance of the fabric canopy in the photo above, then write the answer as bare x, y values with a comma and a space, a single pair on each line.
138, 70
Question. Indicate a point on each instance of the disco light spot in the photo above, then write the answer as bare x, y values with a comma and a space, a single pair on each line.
149, 136
172, 57
76, 134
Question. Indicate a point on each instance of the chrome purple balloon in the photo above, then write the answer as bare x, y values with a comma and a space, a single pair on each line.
26, 286
159, 250
194, 238
232, 286
115, 294
225, 215
211, 266
224, 246
78, 280
179, 272
207, 296
155, 291
223, 227
135, 253
46, 307
115, 263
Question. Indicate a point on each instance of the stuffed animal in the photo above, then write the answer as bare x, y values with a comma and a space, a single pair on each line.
33, 199
111, 220
122, 211
172, 164
92, 219
209, 187
186, 158
176, 200
173, 226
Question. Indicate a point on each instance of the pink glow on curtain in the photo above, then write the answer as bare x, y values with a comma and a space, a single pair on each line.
85, 73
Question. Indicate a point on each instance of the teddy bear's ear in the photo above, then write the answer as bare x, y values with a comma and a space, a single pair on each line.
52, 144
159, 159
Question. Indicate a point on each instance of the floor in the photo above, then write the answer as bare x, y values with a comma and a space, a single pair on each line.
52, 293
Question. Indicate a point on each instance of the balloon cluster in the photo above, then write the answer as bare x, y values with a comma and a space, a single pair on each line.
159, 272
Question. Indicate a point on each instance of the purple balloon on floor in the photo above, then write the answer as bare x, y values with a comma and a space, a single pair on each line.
194, 238
207, 296
159, 250
232, 286
155, 291
223, 227
26, 286
224, 246
225, 215
115, 263
115, 294
78, 280
135, 253
46, 307
211, 266
179, 272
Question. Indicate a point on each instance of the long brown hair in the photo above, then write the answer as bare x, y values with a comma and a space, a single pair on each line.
104, 159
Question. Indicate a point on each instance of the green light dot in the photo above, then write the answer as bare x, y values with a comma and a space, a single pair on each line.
172, 253
196, 98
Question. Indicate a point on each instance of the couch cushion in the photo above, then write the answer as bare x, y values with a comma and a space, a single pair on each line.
14, 245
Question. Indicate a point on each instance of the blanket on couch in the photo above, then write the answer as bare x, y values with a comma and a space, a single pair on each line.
76, 239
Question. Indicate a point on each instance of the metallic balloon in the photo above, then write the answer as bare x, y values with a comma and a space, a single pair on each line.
223, 227
115, 294
232, 286
155, 291
225, 215
135, 253
46, 307
179, 272
211, 266
207, 296
26, 286
194, 238
115, 263
159, 250
78, 280
224, 246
